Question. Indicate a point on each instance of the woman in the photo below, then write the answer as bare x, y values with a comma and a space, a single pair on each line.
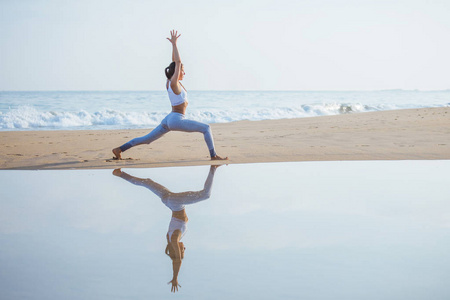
176, 119
178, 223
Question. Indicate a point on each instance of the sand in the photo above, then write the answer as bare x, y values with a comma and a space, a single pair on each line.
412, 134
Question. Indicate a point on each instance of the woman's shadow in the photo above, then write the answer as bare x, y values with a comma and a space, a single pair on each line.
178, 223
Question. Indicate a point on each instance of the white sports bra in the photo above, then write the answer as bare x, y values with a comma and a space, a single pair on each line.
176, 224
177, 99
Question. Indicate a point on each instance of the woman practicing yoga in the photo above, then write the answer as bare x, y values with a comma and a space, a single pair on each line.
176, 119
178, 223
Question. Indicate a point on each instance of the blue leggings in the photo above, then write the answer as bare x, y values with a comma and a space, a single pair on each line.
176, 122
174, 201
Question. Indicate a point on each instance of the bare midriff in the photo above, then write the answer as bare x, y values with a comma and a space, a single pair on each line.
181, 215
180, 108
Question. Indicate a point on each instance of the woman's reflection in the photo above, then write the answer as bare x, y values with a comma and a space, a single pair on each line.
177, 226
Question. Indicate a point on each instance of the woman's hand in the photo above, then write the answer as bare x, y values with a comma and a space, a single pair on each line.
173, 37
175, 285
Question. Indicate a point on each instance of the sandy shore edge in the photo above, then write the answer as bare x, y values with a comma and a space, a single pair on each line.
412, 134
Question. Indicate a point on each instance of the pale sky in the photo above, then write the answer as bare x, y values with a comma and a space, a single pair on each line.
225, 44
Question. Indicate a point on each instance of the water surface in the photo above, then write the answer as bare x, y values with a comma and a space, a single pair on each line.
310, 230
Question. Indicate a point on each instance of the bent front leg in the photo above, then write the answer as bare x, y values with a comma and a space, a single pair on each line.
191, 197
194, 126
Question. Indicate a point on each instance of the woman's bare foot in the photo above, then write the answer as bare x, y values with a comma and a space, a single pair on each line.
116, 152
217, 157
213, 168
117, 172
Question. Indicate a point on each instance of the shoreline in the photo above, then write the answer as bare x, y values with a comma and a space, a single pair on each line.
409, 134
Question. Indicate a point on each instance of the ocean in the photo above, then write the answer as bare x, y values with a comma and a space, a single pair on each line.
102, 110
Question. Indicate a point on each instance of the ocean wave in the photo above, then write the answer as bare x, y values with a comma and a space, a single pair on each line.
28, 117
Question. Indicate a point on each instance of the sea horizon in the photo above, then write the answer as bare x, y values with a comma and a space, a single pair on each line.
238, 90
104, 110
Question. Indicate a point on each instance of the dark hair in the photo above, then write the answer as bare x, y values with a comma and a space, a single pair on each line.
170, 252
170, 70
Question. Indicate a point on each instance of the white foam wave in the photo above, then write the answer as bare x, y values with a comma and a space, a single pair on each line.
223, 116
27, 117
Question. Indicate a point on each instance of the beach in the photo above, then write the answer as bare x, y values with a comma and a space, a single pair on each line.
409, 134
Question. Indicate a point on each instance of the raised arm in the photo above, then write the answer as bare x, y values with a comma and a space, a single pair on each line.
174, 83
176, 259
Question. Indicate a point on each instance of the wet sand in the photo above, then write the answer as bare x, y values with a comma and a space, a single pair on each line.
412, 134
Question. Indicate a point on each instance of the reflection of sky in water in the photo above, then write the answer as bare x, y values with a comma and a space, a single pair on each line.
313, 230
